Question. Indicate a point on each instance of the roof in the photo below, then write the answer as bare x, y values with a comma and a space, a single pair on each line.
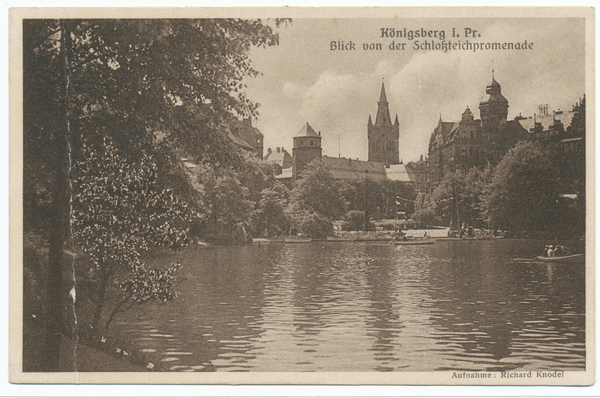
397, 172
342, 168
282, 158
285, 174
414, 168
239, 141
547, 120
307, 131
446, 129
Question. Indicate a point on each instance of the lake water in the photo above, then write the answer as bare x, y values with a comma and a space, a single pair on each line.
455, 305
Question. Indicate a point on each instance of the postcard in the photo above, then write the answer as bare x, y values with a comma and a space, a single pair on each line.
373, 196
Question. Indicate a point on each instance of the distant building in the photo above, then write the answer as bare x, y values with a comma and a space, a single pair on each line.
246, 136
280, 158
383, 136
417, 173
563, 133
307, 147
342, 168
458, 146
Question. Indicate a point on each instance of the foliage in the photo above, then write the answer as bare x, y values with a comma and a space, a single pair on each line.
577, 126
448, 198
270, 215
382, 198
119, 213
256, 175
225, 202
152, 86
318, 192
476, 189
461, 197
425, 218
423, 201
355, 221
312, 225
524, 195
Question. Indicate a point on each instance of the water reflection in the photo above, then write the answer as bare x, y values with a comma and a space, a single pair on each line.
458, 305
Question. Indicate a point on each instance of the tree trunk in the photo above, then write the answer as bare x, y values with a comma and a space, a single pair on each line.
55, 287
100, 303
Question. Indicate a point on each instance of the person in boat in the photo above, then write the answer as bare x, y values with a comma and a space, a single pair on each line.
558, 251
550, 252
401, 236
425, 235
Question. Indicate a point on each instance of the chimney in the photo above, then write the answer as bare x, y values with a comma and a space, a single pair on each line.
319, 133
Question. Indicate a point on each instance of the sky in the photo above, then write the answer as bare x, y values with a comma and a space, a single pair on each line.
303, 80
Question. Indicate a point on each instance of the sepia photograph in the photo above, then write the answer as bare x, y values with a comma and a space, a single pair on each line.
302, 196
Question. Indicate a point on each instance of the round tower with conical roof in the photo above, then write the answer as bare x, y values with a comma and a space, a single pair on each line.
307, 147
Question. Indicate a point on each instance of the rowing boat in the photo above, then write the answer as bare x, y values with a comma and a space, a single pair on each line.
575, 258
416, 242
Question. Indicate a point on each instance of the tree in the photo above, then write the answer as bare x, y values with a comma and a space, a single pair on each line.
524, 193
382, 197
120, 213
46, 153
318, 192
225, 202
460, 197
424, 218
477, 184
312, 225
153, 86
448, 198
270, 213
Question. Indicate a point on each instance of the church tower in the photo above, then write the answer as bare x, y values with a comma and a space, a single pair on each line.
494, 110
383, 136
307, 147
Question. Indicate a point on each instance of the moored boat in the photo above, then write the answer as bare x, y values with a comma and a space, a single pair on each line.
298, 240
416, 242
574, 258
340, 239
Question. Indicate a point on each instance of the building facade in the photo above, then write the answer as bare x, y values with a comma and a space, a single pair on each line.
383, 136
247, 136
470, 142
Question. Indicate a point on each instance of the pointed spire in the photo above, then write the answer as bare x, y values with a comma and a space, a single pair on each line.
396, 122
383, 112
382, 97
370, 122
